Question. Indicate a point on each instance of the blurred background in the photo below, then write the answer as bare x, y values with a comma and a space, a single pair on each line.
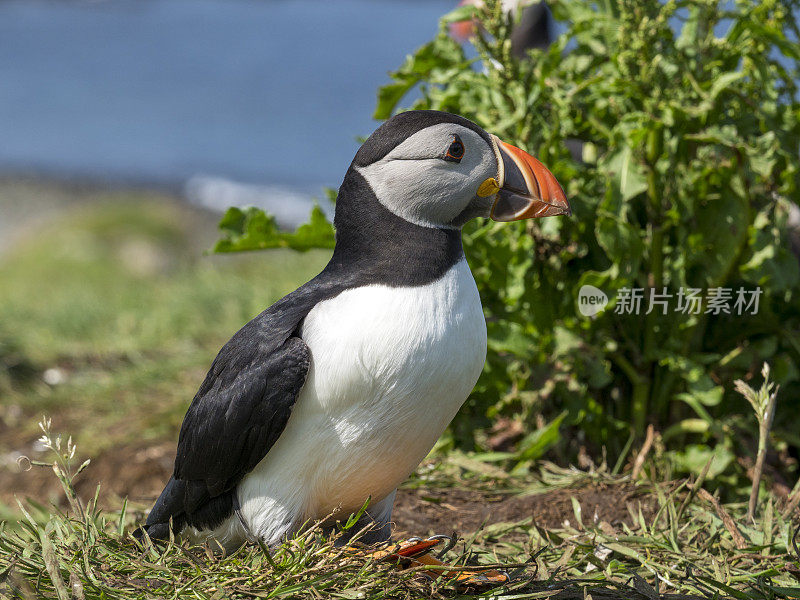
192, 95
126, 127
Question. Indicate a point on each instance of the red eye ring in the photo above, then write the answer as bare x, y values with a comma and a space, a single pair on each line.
455, 152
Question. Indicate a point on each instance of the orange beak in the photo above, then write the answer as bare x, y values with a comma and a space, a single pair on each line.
527, 189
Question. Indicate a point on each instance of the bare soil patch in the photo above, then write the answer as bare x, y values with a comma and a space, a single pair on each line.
443, 511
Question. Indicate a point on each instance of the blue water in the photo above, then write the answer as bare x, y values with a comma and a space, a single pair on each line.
258, 91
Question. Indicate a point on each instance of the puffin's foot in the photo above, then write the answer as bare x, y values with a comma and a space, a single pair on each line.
415, 552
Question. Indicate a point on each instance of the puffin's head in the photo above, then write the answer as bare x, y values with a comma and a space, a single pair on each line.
440, 170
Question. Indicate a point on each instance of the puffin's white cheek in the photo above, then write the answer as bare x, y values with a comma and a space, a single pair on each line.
426, 192
390, 179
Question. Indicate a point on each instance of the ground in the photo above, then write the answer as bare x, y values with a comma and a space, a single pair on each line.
138, 473
112, 311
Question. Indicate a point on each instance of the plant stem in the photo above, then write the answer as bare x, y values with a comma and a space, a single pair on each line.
627, 367
655, 280
764, 426
641, 393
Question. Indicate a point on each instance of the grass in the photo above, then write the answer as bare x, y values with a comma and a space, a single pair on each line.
119, 298
692, 548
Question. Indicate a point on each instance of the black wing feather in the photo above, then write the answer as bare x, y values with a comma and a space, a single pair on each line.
236, 416
230, 427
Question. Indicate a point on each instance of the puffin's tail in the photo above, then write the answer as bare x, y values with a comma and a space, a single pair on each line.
170, 505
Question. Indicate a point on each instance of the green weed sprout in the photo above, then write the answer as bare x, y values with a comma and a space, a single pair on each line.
763, 403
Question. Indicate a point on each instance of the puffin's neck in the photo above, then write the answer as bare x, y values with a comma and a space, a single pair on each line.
376, 246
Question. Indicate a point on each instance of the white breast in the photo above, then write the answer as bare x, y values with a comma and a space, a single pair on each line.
390, 368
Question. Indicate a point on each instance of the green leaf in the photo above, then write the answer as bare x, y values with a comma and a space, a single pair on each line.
719, 233
462, 13
390, 95
702, 389
540, 441
317, 233
441, 54
253, 229
694, 457
686, 426
627, 175
687, 40
769, 263
621, 242
509, 337
721, 82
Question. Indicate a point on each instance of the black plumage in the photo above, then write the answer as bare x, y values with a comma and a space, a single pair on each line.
401, 127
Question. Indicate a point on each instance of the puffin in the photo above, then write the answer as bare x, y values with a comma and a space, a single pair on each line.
332, 396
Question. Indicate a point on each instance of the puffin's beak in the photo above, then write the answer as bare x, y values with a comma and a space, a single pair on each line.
527, 189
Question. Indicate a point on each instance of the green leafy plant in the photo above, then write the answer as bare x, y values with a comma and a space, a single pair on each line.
688, 115
253, 229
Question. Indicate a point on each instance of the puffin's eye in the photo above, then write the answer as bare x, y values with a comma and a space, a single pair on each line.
455, 151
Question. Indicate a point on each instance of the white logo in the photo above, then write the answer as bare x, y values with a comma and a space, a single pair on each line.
591, 300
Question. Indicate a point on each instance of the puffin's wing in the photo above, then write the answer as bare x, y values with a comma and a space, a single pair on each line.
236, 416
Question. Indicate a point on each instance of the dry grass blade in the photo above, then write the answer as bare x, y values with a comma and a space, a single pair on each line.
730, 525
76, 586
792, 501
642, 455
51, 565
697, 485
19, 587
